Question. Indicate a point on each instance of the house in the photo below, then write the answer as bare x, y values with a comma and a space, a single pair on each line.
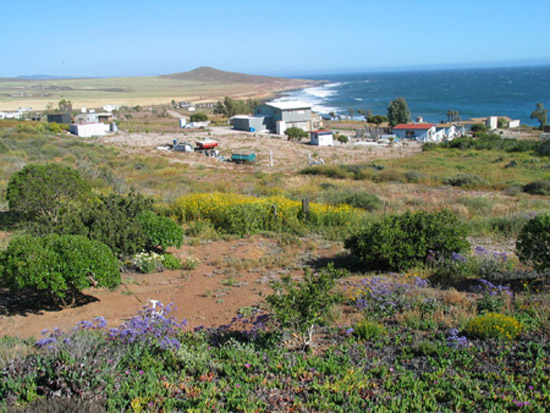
93, 117
284, 115
111, 108
449, 130
62, 118
88, 130
512, 123
249, 123
322, 137
422, 132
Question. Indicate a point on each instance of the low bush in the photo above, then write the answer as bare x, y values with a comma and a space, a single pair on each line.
537, 188
399, 242
414, 176
58, 267
369, 330
300, 306
161, 232
494, 325
357, 199
244, 215
112, 220
170, 262
466, 181
533, 244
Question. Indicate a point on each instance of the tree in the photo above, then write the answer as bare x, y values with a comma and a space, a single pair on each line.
541, 115
65, 105
40, 191
377, 119
351, 112
398, 112
453, 116
219, 109
295, 133
198, 117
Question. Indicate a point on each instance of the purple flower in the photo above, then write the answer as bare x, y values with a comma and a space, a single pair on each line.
455, 256
247, 365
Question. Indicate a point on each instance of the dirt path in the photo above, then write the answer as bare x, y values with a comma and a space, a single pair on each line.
231, 275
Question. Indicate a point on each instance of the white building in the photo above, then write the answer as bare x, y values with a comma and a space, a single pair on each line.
422, 132
322, 137
110, 108
88, 130
450, 130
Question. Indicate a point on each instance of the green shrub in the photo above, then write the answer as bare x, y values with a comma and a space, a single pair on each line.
399, 242
302, 305
414, 176
533, 244
170, 262
330, 171
364, 200
40, 191
111, 220
198, 117
537, 188
296, 133
494, 325
369, 330
58, 266
161, 232
466, 181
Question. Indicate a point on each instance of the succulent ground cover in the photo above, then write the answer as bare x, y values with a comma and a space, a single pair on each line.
422, 353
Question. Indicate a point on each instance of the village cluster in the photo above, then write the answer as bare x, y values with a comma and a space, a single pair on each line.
276, 117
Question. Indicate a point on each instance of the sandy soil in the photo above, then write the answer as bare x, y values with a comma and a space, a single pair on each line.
229, 277
287, 156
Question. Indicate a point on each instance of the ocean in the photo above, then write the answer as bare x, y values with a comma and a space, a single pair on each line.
511, 92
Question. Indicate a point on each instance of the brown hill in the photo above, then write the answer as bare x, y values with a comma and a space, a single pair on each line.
209, 74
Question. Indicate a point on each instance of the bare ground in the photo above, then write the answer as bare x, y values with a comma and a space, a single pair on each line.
287, 156
231, 275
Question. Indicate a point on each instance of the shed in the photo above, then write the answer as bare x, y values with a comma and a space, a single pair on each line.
88, 130
63, 118
249, 123
322, 137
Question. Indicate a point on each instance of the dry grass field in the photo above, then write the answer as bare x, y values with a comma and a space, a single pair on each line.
142, 91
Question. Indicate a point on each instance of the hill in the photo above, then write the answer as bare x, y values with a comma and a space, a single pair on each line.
210, 74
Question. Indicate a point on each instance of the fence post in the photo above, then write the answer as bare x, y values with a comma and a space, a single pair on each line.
305, 208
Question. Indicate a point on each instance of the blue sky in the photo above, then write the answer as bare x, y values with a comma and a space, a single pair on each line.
142, 38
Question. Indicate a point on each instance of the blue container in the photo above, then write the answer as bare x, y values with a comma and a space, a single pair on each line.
252, 129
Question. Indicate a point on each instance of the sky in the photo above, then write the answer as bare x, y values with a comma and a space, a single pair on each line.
281, 38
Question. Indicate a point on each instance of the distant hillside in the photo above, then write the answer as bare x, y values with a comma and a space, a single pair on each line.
209, 74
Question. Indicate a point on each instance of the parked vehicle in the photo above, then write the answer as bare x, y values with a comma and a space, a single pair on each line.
243, 156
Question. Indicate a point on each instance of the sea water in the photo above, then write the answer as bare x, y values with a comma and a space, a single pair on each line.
511, 92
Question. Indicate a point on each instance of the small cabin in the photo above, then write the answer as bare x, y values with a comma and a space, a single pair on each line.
322, 137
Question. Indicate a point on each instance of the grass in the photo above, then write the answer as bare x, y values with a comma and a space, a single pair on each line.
128, 91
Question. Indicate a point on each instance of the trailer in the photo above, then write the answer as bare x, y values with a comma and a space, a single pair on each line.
206, 144
243, 156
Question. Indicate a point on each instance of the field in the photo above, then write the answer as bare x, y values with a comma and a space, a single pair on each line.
136, 91
380, 337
